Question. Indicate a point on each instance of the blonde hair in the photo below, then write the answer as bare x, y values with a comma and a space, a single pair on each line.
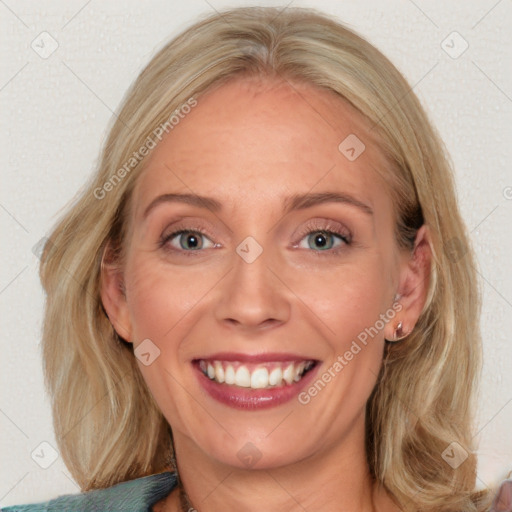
108, 426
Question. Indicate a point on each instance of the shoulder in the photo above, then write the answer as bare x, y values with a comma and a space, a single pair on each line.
133, 495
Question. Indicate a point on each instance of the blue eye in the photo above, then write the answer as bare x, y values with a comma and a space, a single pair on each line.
188, 240
316, 239
323, 240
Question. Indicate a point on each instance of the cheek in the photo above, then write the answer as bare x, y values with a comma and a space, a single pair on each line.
158, 297
348, 299
160, 301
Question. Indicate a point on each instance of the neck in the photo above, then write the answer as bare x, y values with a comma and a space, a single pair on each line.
336, 478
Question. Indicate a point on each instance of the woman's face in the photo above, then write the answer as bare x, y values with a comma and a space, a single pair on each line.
261, 284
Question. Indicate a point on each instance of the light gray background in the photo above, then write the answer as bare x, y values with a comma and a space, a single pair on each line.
54, 117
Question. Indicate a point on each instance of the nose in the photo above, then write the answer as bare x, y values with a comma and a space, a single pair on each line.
251, 296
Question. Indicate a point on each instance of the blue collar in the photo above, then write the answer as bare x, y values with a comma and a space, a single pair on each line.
137, 495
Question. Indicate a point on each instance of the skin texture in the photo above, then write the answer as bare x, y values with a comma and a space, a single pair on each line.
249, 144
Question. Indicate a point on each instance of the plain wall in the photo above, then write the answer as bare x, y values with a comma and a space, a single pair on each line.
55, 112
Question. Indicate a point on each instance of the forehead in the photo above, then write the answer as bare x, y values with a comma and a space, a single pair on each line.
250, 142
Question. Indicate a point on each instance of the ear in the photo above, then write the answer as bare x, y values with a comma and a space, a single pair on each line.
413, 285
113, 295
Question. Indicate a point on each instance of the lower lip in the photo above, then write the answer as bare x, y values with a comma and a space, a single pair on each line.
247, 398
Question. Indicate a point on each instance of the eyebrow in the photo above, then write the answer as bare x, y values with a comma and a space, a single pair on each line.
291, 203
302, 201
192, 199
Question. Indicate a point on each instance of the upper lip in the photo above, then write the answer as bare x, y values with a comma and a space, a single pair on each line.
264, 357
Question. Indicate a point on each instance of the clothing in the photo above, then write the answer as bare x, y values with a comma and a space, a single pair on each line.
141, 494
137, 495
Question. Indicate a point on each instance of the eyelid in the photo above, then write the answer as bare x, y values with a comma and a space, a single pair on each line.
174, 229
187, 224
327, 225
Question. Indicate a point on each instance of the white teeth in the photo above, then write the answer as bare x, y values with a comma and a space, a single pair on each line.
229, 375
219, 372
288, 374
298, 372
243, 377
259, 378
275, 377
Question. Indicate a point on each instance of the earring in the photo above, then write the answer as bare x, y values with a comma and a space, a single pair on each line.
399, 334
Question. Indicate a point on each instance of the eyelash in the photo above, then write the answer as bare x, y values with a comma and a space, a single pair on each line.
311, 227
329, 228
166, 238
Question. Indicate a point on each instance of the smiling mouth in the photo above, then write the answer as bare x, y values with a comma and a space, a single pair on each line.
268, 375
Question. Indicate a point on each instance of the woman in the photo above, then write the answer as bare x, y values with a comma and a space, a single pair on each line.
266, 297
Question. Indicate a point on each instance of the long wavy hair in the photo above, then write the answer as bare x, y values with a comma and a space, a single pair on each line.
107, 424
